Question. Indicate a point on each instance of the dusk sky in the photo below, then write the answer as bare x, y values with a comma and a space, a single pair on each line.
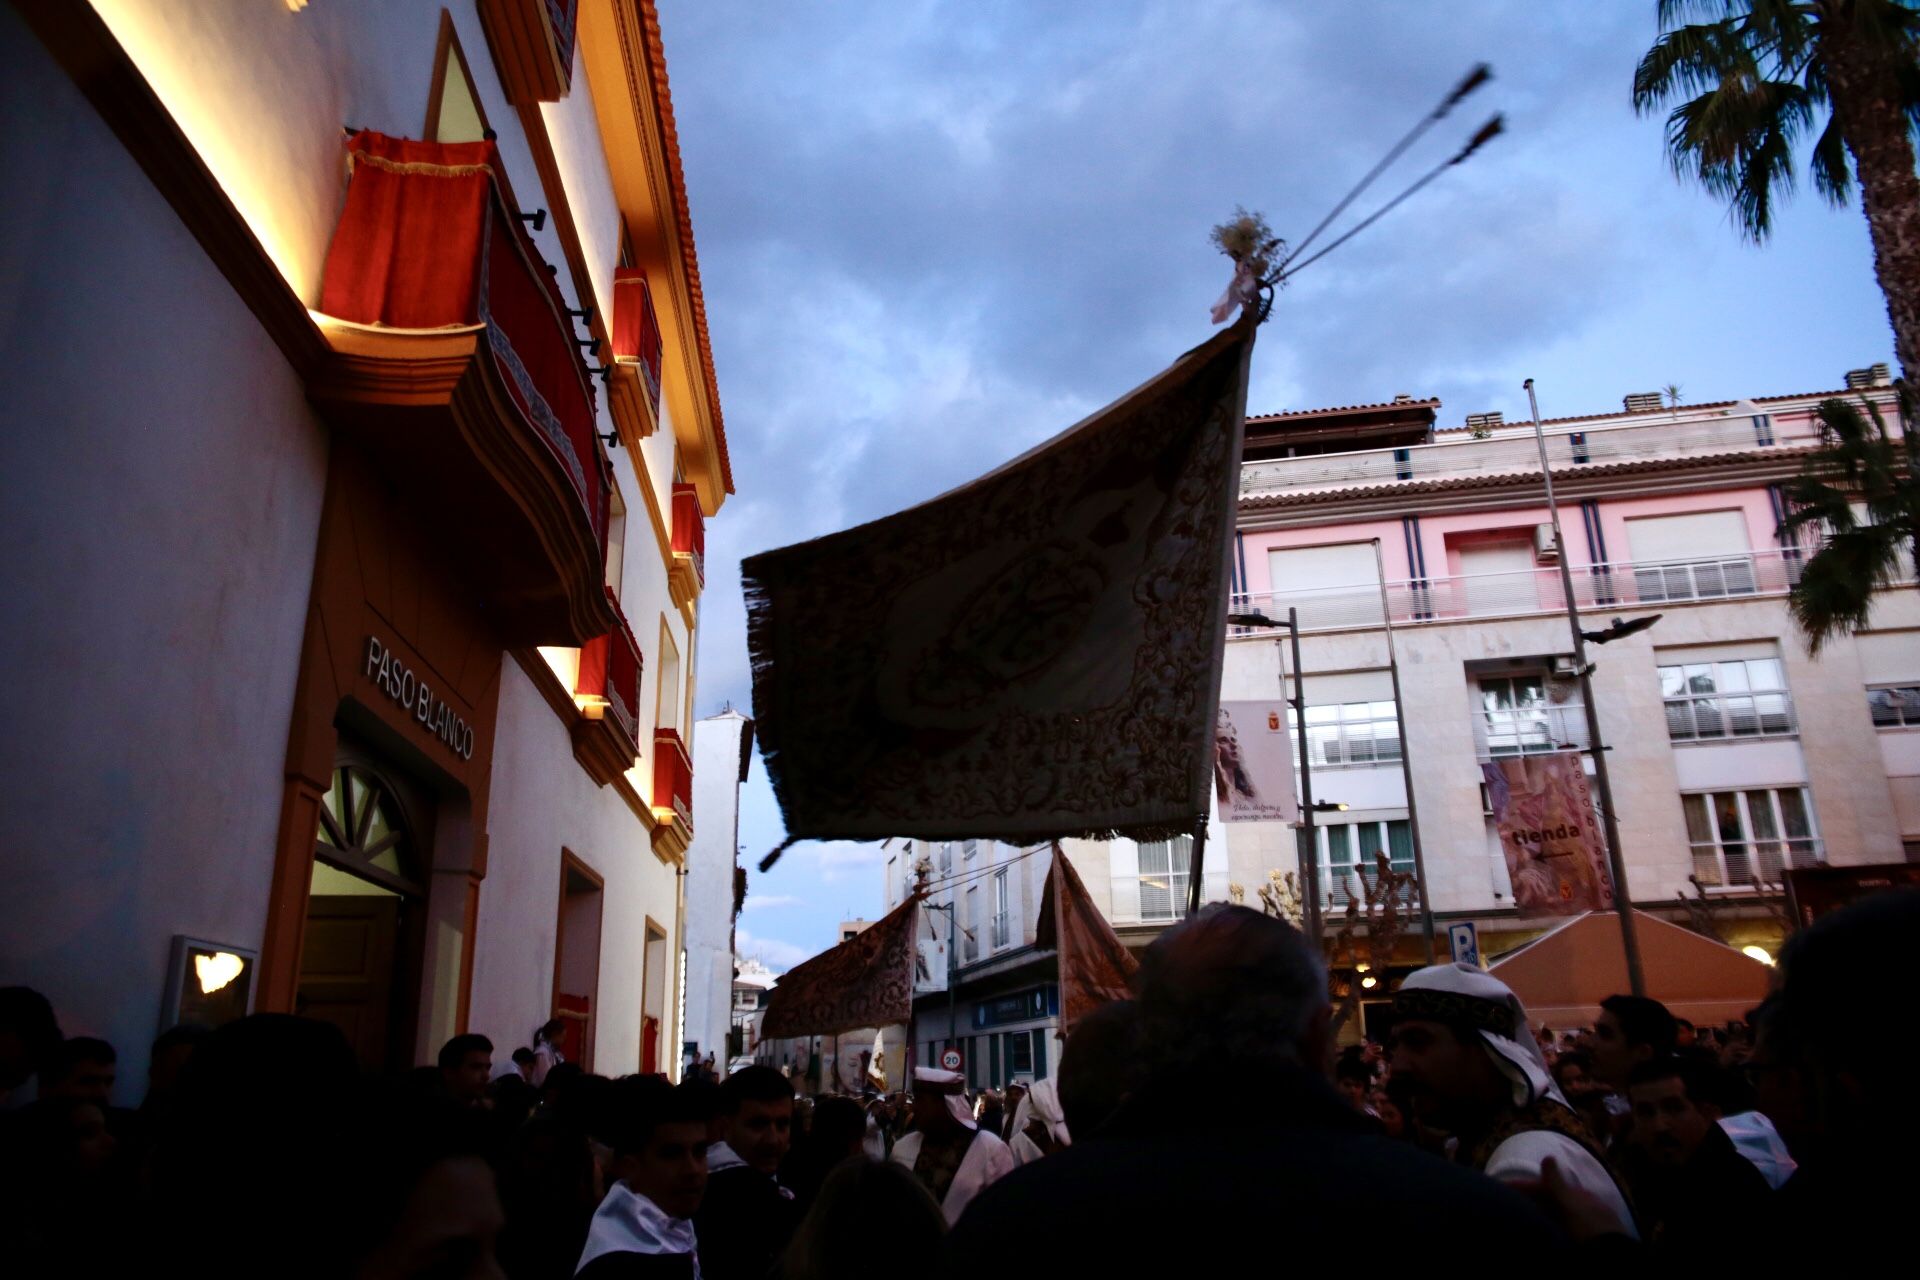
934, 234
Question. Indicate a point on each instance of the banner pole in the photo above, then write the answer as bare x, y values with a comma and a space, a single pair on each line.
1622, 900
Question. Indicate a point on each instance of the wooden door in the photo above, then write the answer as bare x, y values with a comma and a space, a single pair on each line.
347, 970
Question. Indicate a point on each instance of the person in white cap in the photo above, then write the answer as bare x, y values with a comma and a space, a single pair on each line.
1462, 1051
1039, 1128
949, 1153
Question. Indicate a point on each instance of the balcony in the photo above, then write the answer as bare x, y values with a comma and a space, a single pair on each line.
606, 737
672, 795
1669, 439
454, 368
638, 350
1531, 592
532, 46
687, 576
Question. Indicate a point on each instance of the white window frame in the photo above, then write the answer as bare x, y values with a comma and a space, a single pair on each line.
1723, 863
1339, 882
1348, 734
1903, 706
970, 931
1133, 880
1765, 703
1534, 729
1001, 930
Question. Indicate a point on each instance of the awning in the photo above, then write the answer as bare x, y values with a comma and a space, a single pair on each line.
1563, 975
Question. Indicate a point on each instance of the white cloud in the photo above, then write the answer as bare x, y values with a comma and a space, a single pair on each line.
776, 955
772, 900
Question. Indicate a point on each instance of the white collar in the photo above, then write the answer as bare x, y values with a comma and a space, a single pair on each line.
628, 1222
721, 1156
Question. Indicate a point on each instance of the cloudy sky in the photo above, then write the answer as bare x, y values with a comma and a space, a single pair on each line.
934, 234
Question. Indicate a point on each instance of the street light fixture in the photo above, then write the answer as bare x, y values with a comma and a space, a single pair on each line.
1619, 629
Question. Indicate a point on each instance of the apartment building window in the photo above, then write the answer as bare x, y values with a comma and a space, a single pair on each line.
1895, 706
1701, 555
1742, 698
1348, 854
968, 848
1519, 716
616, 537
1349, 733
970, 943
1739, 835
1150, 879
1002, 923
946, 857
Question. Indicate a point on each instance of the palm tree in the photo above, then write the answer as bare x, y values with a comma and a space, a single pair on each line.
1755, 75
1861, 491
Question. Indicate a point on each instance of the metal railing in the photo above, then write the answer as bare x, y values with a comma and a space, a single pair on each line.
1709, 717
1002, 930
1529, 731
1734, 865
1667, 437
1618, 585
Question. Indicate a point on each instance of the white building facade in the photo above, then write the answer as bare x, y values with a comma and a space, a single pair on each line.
722, 752
352, 658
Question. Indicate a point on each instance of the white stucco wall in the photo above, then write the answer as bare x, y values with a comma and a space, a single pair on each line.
710, 865
159, 517
541, 803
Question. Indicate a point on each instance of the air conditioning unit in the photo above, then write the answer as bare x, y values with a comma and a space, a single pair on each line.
1485, 421
1545, 551
1565, 668
1875, 375
1643, 402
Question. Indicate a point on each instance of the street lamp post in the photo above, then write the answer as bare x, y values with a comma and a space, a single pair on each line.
1406, 761
1622, 900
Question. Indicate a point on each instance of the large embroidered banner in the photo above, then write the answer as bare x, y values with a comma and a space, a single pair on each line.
1095, 966
1544, 811
866, 981
1033, 655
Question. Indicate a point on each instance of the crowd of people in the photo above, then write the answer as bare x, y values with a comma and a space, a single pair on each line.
1207, 1119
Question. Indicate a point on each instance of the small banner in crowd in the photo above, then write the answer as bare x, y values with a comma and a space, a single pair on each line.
1253, 763
1549, 834
866, 981
1095, 966
1033, 655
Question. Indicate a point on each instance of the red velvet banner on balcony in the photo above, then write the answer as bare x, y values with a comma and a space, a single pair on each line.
636, 329
426, 241
690, 528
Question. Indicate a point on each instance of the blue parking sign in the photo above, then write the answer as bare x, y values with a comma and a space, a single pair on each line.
1464, 939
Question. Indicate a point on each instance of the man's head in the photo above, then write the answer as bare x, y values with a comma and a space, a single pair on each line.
466, 1067
1630, 1030
1827, 1060
1675, 1103
1230, 993
1101, 1067
171, 1051
940, 1101
1353, 1076
658, 1133
1573, 1072
1461, 1048
82, 1068
1684, 1035
28, 1035
523, 1061
757, 1105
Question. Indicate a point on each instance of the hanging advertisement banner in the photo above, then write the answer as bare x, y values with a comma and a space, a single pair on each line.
1548, 833
1253, 763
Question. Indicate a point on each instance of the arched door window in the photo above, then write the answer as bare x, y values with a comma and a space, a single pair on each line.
363, 830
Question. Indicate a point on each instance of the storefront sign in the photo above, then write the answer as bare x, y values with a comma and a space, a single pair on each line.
1022, 1006
417, 698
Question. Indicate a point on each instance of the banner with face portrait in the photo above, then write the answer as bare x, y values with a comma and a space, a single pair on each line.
1253, 763
1549, 833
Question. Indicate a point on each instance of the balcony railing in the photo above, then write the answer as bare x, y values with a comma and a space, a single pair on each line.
1734, 865
1667, 438
1711, 717
454, 364
688, 574
1528, 731
1530, 591
607, 691
637, 342
672, 778
1002, 930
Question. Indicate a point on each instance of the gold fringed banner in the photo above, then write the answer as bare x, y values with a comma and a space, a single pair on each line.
1095, 966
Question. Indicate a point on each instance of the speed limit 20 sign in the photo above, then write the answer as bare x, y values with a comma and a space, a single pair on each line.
950, 1060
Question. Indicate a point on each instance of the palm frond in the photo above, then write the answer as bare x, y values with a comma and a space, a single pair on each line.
1738, 140
1830, 165
1835, 593
1690, 59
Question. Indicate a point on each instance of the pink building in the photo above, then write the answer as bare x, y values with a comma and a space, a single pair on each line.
1733, 752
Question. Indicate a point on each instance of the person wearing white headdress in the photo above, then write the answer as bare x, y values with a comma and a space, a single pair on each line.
1039, 1127
1462, 1051
951, 1155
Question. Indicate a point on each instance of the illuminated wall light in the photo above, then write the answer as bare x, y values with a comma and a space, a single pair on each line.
1757, 953
217, 970
1369, 982
296, 5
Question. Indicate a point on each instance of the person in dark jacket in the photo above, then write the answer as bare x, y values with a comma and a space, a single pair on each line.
1237, 1123
1693, 1185
748, 1216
